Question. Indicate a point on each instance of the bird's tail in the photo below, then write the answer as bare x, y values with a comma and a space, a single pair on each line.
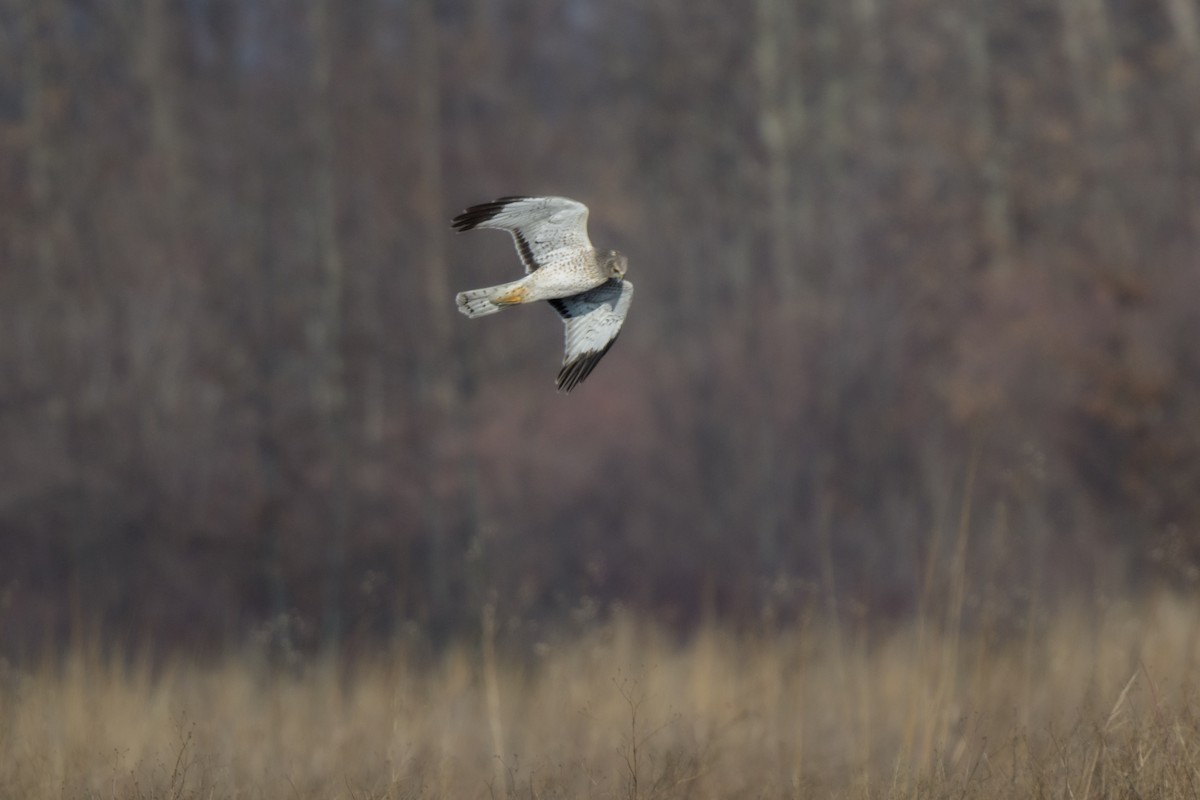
480, 302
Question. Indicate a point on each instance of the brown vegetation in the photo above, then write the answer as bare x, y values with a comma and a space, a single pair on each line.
874, 243
1080, 704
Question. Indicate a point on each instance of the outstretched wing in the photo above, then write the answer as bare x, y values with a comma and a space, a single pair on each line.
540, 226
593, 320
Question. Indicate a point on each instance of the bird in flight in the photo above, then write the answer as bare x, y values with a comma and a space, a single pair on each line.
587, 287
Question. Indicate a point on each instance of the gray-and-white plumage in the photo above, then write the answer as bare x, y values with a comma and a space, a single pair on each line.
593, 320
585, 286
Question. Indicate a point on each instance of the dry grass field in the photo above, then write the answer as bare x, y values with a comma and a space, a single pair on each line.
1083, 705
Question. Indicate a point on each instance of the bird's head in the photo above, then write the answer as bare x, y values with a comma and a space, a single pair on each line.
614, 264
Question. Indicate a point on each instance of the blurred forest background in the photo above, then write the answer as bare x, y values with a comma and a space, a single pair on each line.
917, 287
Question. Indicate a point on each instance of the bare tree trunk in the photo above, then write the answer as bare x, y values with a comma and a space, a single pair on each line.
1090, 51
45, 162
438, 295
871, 34
327, 328
1091, 55
438, 397
274, 485
840, 212
45, 94
996, 213
1185, 18
160, 80
160, 348
780, 118
449, 387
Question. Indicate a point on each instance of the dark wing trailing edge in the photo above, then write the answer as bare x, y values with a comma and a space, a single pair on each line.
475, 216
539, 225
592, 319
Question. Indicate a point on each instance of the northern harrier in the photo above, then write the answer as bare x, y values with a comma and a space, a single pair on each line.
585, 286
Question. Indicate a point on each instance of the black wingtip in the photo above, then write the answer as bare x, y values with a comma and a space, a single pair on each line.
475, 216
573, 374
